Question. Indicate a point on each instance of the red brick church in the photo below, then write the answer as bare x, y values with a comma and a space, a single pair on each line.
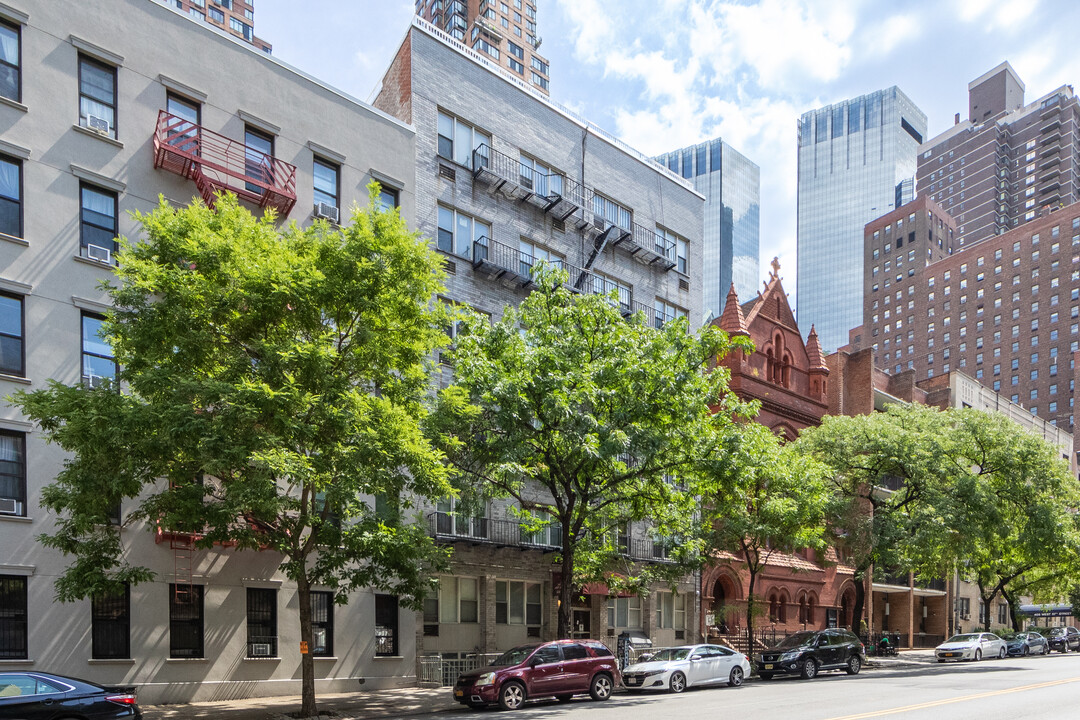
789, 377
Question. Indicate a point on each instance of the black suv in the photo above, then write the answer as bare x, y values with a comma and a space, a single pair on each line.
1064, 639
809, 652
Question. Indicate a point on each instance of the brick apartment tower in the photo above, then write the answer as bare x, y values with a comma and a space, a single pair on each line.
236, 17
1004, 310
503, 30
997, 169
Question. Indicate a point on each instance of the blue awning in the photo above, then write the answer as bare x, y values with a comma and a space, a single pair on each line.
1046, 611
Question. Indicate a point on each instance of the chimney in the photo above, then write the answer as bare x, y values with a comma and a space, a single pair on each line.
956, 119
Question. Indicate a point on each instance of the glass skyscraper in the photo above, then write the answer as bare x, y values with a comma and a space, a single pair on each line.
857, 161
731, 186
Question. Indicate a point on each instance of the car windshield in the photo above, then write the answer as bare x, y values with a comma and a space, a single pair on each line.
671, 654
515, 656
963, 638
1057, 631
797, 640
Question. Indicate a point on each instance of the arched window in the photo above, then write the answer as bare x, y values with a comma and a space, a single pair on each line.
782, 614
774, 607
785, 372
809, 610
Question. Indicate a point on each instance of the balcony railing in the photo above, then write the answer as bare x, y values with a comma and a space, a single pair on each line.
502, 261
215, 162
552, 192
455, 527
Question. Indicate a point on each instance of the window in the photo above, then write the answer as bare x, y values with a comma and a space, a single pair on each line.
386, 625
241, 28
13, 626
518, 603
665, 313
540, 80
516, 50
186, 135
262, 622
10, 62
388, 198
670, 611
216, 15
97, 223
12, 360
258, 158
458, 600
458, 233
97, 96
97, 355
664, 244
10, 195
326, 183
110, 619
624, 612
516, 66
612, 212
482, 44
322, 623
185, 621
458, 140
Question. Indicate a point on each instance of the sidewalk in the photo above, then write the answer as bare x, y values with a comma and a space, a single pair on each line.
397, 703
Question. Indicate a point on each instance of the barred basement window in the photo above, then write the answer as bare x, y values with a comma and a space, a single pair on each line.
186, 621
322, 623
110, 619
386, 625
261, 622
13, 626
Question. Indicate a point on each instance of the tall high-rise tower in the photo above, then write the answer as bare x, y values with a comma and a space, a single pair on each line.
1008, 162
731, 185
503, 30
236, 17
857, 161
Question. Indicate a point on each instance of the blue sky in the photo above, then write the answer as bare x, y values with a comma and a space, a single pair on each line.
666, 73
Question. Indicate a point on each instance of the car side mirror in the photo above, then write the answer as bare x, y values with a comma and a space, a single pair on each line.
823, 641
645, 657
695, 658
534, 661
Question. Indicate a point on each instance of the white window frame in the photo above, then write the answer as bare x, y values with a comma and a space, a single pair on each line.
452, 600
464, 138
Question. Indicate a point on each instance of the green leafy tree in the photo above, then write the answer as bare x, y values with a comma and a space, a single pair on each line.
1014, 509
272, 387
588, 421
760, 498
891, 472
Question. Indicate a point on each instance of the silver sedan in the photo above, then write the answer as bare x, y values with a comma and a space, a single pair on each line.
675, 669
972, 646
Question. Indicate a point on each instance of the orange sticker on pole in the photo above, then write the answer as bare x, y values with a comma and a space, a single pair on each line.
303, 647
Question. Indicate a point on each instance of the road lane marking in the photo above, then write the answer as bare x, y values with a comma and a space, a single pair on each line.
948, 701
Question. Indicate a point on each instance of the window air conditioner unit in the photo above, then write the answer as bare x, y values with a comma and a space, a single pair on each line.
97, 124
327, 212
96, 252
260, 649
9, 506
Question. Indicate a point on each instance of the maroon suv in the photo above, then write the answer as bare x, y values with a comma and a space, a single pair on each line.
559, 669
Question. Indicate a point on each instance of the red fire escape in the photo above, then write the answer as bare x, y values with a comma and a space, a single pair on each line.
216, 162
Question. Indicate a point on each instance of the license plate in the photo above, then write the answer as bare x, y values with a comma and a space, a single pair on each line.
459, 693
949, 654
632, 681
768, 667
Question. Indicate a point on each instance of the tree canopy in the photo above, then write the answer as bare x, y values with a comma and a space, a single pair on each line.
588, 421
271, 388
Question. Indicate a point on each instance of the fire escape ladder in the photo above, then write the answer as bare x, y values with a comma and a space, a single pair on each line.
599, 244
183, 547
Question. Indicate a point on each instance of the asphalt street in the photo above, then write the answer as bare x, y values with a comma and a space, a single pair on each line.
1044, 687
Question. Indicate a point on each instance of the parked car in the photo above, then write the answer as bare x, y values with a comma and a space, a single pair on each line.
43, 696
559, 669
971, 646
1027, 643
675, 669
1064, 639
809, 652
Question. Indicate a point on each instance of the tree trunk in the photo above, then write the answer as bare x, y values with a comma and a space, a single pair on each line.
860, 601
750, 615
566, 589
984, 611
307, 662
1014, 608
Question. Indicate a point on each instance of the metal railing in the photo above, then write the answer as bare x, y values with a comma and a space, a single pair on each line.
557, 192
657, 248
505, 533
216, 162
443, 672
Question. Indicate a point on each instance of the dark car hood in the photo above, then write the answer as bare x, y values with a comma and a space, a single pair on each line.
473, 674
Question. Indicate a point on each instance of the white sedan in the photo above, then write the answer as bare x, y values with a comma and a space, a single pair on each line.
675, 669
972, 646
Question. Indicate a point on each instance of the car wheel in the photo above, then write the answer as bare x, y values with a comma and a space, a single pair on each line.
978, 655
809, 669
564, 698
601, 687
765, 676
677, 683
736, 677
1045, 650
1024, 651
512, 696
854, 665
1001, 654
